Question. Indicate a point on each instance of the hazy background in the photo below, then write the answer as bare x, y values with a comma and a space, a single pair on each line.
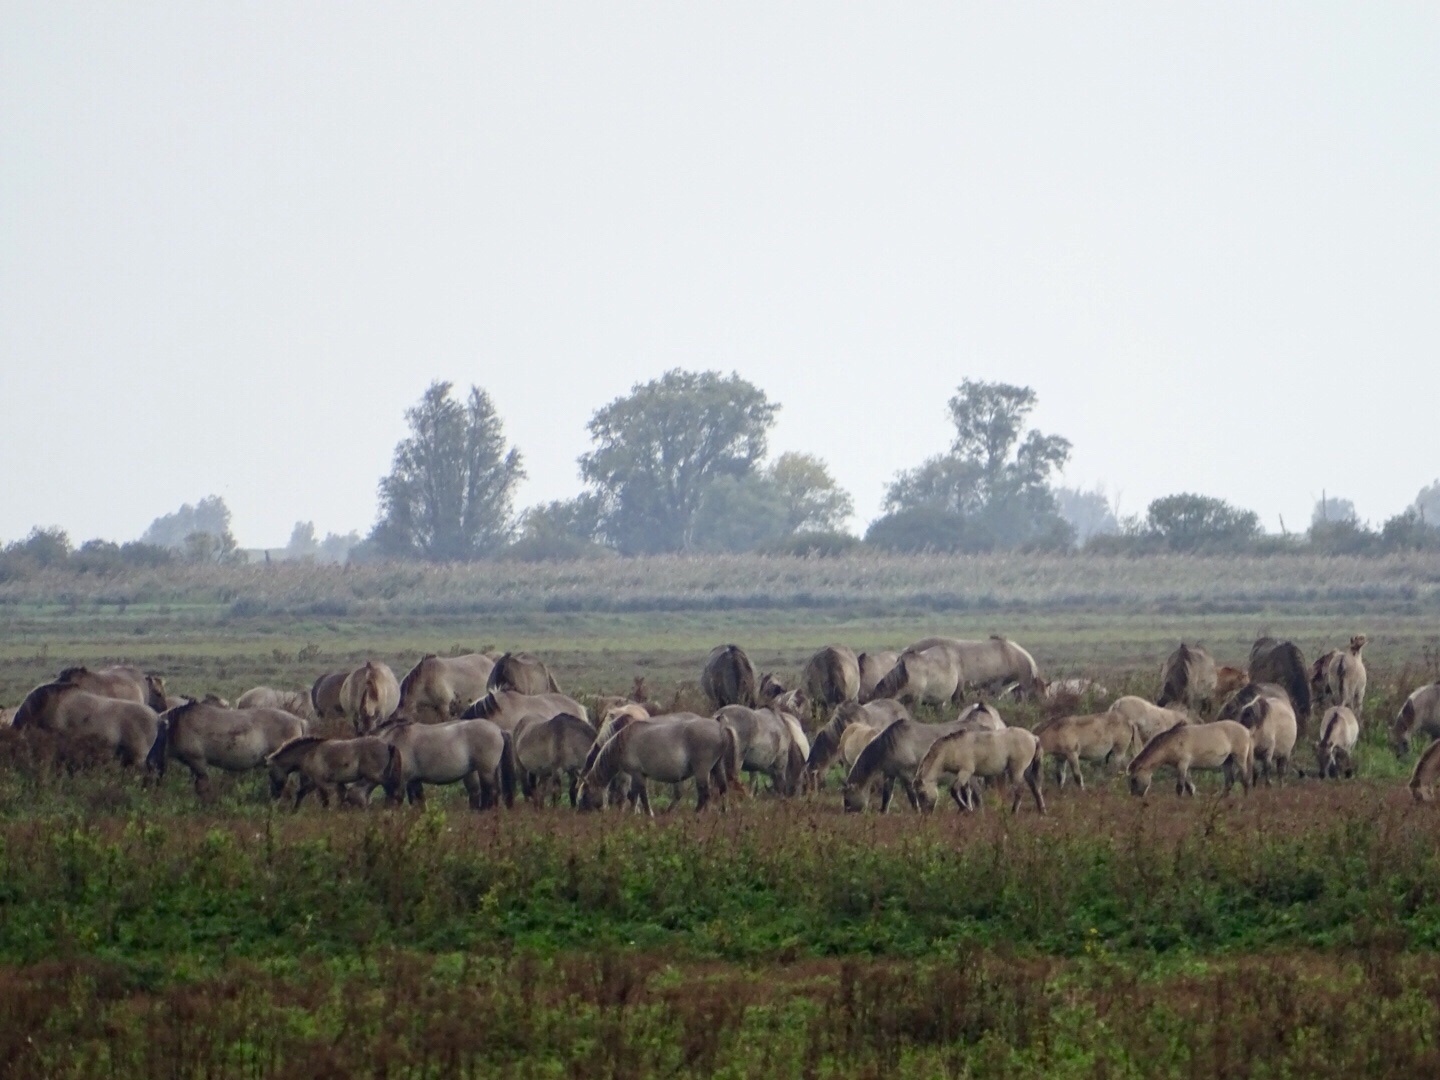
236, 242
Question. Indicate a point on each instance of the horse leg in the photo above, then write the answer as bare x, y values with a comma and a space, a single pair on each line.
415, 792
887, 790
1075, 768
324, 794
960, 800
908, 786
476, 789
301, 790
702, 792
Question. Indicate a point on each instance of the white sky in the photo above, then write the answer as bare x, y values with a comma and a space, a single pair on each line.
237, 241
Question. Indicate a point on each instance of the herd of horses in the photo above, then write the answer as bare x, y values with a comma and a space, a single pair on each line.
501, 726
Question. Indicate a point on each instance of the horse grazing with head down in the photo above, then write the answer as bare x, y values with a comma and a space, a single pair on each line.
1271, 722
125, 728
328, 766
202, 736
1334, 752
1222, 744
671, 750
475, 753
1419, 715
1012, 753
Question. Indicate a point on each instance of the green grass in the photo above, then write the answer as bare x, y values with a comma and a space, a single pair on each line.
1288, 933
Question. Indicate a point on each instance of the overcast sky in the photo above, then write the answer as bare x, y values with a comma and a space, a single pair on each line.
237, 241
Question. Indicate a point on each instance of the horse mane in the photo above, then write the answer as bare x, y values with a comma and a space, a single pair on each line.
1331, 719
890, 682
70, 674
875, 752
37, 700
413, 676
601, 769
937, 748
295, 743
1155, 745
619, 724
481, 708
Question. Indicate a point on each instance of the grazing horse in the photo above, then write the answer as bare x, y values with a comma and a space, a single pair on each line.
125, 727
1099, 737
832, 676
1148, 719
767, 744
325, 696
123, 682
1187, 678
507, 707
232, 740
1427, 771
371, 694
1012, 753
994, 662
1334, 753
729, 678
670, 750
439, 688
923, 677
874, 666
326, 765
1222, 744
1349, 678
523, 673
295, 702
1420, 714
548, 748
1282, 663
835, 741
1271, 722
475, 753
893, 756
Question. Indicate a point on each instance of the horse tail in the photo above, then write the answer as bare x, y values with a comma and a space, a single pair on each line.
159, 749
392, 779
730, 755
1035, 771
795, 769
507, 768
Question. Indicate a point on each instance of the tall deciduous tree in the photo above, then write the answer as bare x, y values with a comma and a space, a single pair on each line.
994, 484
659, 448
449, 492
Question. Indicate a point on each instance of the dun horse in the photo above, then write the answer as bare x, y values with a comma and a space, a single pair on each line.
832, 676
1099, 737
729, 678
202, 736
1273, 730
327, 766
1334, 753
439, 688
670, 750
125, 728
835, 740
523, 673
1419, 715
370, 694
1223, 745
1187, 678
475, 753
1013, 754
507, 707
548, 749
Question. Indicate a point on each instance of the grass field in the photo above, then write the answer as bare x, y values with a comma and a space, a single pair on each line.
1288, 933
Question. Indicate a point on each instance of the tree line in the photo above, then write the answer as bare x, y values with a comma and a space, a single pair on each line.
681, 464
